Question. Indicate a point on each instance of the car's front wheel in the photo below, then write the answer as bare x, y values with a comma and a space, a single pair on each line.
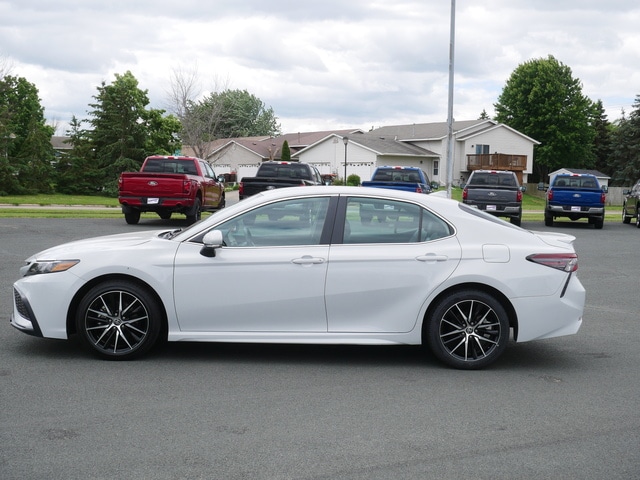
118, 320
467, 329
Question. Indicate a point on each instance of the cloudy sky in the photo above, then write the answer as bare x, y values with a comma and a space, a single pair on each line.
321, 64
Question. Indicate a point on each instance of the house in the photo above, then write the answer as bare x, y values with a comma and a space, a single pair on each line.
242, 156
603, 178
422, 145
477, 144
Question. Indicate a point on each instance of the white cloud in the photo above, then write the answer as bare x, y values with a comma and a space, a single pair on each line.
322, 65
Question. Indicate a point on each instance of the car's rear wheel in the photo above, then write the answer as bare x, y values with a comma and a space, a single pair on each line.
468, 329
548, 220
118, 320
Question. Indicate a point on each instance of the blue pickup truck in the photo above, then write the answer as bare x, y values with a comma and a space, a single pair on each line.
575, 196
408, 179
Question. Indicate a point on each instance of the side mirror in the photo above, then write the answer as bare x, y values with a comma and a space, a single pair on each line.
435, 185
523, 188
605, 189
221, 179
212, 240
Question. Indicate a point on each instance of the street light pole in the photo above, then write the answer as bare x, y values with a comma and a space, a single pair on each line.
345, 140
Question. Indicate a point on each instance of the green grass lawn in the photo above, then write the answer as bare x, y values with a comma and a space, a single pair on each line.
530, 203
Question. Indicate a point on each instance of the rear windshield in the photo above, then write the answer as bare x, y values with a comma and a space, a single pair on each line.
493, 179
289, 170
396, 175
161, 165
576, 182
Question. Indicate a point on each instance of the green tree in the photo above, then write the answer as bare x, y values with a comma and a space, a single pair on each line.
77, 172
625, 156
285, 155
124, 132
241, 114
542, 100
602, 140
25, 139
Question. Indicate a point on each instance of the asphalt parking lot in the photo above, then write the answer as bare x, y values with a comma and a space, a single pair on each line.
559, 408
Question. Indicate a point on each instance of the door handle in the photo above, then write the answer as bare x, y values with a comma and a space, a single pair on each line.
308, 260
432, 258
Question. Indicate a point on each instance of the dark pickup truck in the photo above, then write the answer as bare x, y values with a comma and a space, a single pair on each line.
575, 196
495, 191
408, 179
170, 184
272, 175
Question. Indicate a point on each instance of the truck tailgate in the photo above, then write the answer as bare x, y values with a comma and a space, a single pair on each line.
152, 185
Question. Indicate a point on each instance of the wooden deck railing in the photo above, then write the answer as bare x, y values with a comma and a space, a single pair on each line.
497, 161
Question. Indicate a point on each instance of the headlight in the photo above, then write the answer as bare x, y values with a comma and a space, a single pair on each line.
48, 266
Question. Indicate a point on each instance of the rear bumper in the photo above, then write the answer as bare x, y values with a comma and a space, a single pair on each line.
156, 204
575, 211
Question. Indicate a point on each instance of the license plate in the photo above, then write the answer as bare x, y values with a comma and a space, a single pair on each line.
153, 201
491, 207
575, 209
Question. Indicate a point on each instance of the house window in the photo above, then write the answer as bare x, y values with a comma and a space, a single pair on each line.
436, 168
482, 149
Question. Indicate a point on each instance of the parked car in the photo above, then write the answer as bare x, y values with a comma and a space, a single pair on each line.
299, 265
631, 205
497, 192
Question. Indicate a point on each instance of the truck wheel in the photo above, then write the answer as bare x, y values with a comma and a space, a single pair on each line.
548, 220
637, 219
625, 218
195, 213
132, 217
598, 222
223, 201
516, 221
164, 215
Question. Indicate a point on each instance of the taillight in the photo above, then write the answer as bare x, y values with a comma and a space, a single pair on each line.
603, 197
464, 194
549, 194
567, 262
519, 196
241, 189
186, 186
418, 189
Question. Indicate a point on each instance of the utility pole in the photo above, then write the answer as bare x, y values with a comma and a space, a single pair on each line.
452, 41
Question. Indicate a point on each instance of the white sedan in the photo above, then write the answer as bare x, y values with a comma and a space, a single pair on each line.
312, 265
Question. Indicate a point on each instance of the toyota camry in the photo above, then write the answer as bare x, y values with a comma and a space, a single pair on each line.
311, 265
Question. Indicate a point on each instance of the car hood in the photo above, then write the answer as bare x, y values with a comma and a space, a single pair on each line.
96, 244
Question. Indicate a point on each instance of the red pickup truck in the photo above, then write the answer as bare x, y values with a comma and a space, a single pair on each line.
167, 185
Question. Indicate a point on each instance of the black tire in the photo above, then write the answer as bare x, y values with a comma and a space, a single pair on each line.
164, 215
118, 320
132, 217
637, 218
467, 330
196, 212
223, 202
599, 223
548, 220
625, 217
516, 221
